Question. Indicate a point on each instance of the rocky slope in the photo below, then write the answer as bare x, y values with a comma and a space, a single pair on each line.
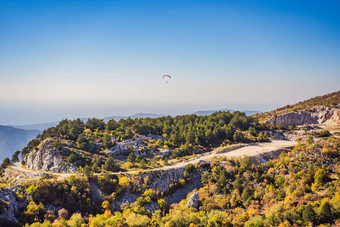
160, 180
318, 115
48, 158
9, 205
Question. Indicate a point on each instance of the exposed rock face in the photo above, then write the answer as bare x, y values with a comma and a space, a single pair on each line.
153, 137
9, 204
160, 180
48, 158
193, 200
318, 115
122, 149
182, 192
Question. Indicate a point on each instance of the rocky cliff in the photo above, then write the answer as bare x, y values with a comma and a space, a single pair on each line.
319, 115
48, 158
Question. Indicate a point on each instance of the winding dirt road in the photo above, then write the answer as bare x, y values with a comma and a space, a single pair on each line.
251, 149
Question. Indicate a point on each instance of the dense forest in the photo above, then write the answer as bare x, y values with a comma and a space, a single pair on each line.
301, 187
207, 131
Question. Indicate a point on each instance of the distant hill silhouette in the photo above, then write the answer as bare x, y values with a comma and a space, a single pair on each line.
13, 139
208, 112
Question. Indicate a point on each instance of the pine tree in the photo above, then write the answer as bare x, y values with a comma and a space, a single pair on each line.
107, 142
309, 215
326, 215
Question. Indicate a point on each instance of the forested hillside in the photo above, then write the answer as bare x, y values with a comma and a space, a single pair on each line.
143, 142
300, 187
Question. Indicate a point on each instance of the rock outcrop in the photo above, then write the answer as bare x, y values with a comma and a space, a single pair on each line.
16, 177
121, 150
160, 180
193, 200
9, 205
319, 115
48, 158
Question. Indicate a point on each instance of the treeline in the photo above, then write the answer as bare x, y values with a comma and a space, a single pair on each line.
206, 131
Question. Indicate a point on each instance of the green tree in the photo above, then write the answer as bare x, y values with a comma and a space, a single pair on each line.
238, 137
72, 158
94, 124
107, 142
57, 143
5, 163
15, 157
131, 157
96, 166
87, 171
82, 142
111, 125
326, 214
246, 193
321, 176
190, 137
110, 164
308, 214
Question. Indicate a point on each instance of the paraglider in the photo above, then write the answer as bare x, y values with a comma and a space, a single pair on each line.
166, 76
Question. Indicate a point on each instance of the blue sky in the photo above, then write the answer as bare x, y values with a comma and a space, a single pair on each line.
99, 58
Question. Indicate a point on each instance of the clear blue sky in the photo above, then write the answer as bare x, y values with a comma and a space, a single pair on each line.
100, 58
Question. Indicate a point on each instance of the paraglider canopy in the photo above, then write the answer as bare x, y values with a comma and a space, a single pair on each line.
166, 76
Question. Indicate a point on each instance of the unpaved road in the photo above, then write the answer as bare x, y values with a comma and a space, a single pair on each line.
18, 166
251, 149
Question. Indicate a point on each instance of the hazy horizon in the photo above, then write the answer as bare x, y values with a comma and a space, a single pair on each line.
69, 59
57, 113
13, 115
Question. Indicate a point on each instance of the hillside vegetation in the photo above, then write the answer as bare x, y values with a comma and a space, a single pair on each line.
301, 187
329, 100
136, 143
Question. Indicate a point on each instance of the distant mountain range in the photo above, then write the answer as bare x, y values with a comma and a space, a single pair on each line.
40, 126
13, 139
